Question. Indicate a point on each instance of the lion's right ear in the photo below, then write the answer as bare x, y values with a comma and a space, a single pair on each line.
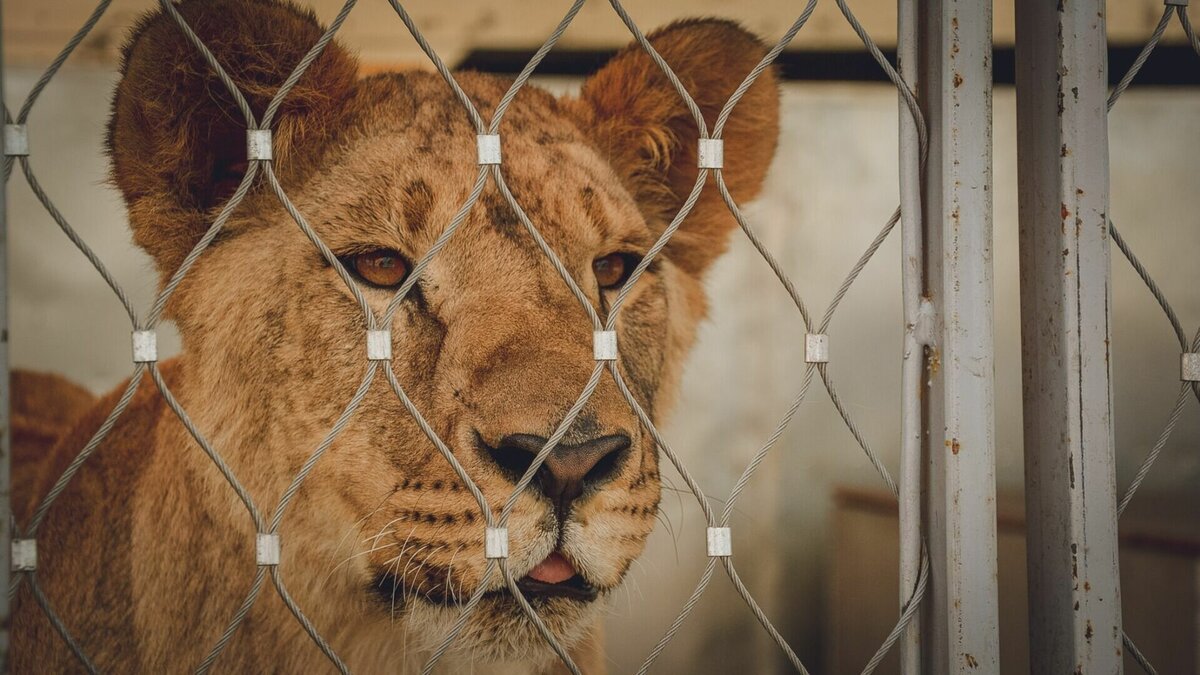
176, 138
641, 126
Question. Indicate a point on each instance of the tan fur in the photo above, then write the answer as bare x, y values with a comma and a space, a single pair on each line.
43, 407
148, 553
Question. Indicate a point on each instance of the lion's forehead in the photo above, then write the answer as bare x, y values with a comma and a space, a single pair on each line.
405, 174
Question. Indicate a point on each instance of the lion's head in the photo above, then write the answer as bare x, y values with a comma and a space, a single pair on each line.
491, 345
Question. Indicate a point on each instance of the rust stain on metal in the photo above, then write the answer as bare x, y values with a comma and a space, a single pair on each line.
971, 662
958, 80
1066, 213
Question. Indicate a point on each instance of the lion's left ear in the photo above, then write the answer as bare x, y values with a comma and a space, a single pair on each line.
177, 139
641, 125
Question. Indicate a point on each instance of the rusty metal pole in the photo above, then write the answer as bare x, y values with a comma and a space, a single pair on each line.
961, 624
917, 339
1070, 496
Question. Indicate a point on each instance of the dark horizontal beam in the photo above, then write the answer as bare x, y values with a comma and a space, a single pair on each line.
1169, 65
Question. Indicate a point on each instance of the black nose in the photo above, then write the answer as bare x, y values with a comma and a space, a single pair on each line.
569, 470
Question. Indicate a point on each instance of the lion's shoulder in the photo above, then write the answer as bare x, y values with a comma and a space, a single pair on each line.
54, 418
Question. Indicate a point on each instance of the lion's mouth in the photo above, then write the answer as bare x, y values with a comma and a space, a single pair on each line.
554, 577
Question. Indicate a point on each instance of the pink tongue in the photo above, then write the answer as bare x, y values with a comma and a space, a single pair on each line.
555, 569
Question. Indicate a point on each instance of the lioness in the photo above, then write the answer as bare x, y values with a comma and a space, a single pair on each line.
149, 553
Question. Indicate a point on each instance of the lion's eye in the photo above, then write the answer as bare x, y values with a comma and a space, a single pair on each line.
613, 269
382, 267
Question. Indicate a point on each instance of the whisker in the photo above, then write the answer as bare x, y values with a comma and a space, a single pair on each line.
450, 575
359, 555
421, 566
357, 525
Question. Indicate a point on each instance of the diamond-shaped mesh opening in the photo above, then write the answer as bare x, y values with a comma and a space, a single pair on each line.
1188, 390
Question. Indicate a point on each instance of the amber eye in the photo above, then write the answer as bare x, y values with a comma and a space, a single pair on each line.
613, 269
382, 267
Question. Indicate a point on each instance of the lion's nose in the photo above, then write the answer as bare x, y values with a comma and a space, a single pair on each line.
569, 470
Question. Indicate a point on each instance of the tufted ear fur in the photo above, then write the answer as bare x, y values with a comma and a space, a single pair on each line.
177, 140
642, 126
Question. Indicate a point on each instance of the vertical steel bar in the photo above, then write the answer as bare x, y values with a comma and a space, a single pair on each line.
916, 337
1070, 496
962, 624
5, 413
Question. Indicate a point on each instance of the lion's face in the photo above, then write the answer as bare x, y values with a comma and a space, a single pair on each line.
491, 345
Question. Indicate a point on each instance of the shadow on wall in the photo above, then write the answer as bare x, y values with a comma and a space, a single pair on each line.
833, 185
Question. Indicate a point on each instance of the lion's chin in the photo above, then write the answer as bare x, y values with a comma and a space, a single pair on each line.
498, 629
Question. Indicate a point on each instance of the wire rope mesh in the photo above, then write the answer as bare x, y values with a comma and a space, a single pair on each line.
1187, 389
261, 171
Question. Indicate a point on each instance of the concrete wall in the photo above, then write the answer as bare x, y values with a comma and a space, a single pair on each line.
832, 186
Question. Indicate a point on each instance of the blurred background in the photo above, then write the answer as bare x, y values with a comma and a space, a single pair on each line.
815, 534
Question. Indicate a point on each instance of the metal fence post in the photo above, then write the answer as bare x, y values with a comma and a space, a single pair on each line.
917, 337
1074, 587
961, 629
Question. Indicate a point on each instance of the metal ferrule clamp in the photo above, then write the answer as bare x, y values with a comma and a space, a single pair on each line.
604, 345
720, 542
495, 543
488, 146
711, 154
16, 140
259, 145
266, 549
379, 345
816, 348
